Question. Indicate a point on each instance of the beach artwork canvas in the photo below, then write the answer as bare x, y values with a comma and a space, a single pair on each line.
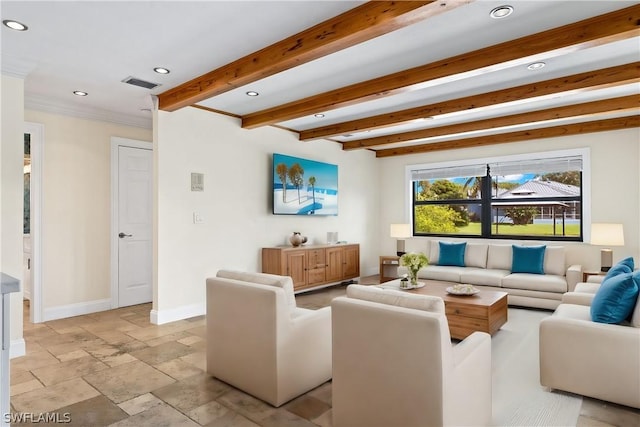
304, 187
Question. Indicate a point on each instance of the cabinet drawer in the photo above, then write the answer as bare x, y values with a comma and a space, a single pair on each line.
315, 259
466, 310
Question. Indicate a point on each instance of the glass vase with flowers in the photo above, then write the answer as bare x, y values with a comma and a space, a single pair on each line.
414, 261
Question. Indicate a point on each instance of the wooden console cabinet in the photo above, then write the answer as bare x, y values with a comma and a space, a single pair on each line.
313, 266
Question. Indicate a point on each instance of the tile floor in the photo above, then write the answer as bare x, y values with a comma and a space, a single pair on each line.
114, 368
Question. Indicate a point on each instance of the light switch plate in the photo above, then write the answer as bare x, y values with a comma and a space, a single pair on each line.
197, 181
197, 218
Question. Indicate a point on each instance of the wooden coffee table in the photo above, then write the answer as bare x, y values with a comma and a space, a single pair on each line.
485, 311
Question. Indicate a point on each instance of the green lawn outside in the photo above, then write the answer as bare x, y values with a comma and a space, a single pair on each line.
530, 229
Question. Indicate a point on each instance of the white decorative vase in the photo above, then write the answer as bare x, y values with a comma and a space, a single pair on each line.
297, 239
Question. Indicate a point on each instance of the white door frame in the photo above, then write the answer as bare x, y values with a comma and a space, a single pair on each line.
36, 130
116, 143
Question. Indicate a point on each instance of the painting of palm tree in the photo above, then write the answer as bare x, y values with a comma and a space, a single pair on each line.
312, 183
289, 176
281, 170
296, 176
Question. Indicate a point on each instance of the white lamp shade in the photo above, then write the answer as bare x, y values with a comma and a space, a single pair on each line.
607, 234
400, 231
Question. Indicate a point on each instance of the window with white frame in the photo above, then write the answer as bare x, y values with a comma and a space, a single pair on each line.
535, 197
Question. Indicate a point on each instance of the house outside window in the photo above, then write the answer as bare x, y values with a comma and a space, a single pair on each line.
538, 198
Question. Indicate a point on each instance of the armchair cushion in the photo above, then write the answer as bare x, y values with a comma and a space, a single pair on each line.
615, 299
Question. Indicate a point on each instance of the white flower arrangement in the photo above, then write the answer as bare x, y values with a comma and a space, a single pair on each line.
414, 261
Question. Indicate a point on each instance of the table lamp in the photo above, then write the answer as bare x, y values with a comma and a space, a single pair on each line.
607, 235
400, 232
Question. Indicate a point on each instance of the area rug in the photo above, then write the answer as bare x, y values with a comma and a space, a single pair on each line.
518, 397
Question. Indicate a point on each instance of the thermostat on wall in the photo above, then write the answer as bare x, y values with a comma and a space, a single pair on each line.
197, 181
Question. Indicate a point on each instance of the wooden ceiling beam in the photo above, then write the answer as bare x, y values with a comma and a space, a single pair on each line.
355, 26
518, 136
618, 25
596, 79
623, 103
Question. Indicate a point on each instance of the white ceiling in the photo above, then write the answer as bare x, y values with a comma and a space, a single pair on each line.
92, 46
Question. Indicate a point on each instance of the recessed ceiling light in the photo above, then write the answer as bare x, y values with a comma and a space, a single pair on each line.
536, 66
501, 12
15, 25
252, 93
319, 115
80, 93
161, 70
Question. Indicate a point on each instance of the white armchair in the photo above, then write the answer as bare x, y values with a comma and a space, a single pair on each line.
592, 359
260, 342
394, 363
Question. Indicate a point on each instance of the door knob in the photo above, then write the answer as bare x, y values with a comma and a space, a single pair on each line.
123, 235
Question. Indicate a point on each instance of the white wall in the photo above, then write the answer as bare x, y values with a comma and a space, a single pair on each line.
615, 195
11, 196
236, 203
76, 206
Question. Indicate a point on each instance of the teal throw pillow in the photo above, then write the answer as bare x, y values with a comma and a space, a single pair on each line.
452, 254
528, 259
624, 266
615, 299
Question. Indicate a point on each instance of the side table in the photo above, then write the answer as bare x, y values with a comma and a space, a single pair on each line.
586, 274
389, 261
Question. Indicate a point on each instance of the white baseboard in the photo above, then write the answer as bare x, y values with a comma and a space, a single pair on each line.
78, 309
17, 348
160, 317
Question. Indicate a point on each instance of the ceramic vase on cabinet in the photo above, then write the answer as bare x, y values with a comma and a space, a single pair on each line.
297, 239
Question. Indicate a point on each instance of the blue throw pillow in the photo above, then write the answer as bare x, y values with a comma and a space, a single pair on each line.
615, 299
624, 266
452, 254
528, 259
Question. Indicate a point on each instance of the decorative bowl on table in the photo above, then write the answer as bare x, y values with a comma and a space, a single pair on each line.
462, 290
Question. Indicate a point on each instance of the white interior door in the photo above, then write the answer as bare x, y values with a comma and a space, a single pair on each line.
135, 204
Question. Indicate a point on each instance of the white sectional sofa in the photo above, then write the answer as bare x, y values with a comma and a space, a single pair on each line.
489, 265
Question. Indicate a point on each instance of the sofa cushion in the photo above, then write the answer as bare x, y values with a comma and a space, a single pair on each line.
554, 261
535, 282
452, 254
615, 299
481, 276
499, 257
398, 298
476, 255
442, 272
528, 259
624, 266
434, 252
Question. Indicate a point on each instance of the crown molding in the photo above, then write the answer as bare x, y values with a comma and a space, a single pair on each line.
51, 106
